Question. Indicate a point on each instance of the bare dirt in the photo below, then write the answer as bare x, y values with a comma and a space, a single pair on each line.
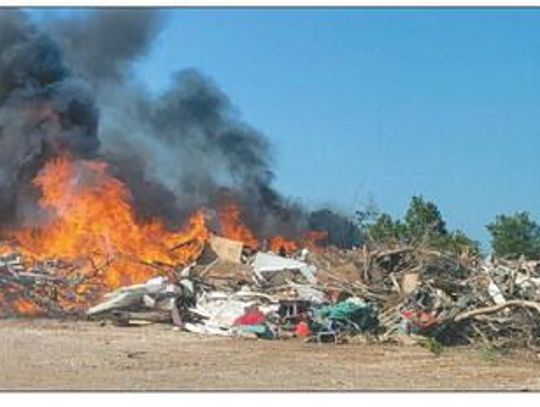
57, 355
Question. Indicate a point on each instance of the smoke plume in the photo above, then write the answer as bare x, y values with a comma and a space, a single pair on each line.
177, 151
44, 109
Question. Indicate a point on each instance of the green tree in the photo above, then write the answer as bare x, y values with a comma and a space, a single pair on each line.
515, 235
459, 243
423, 220
423, 223
377, 227
365, 218
386, 230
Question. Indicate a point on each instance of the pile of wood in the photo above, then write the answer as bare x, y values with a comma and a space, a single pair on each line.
457, 300
37, 288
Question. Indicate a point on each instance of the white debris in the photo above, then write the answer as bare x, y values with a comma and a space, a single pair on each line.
155, 293
308, 293
220, 310
155, 285
267, 264
495, 293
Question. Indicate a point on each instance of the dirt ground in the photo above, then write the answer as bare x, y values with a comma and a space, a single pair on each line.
56, 355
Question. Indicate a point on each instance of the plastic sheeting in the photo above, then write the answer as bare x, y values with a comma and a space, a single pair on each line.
266, 264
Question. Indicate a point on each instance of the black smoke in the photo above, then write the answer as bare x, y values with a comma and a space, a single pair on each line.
177, 151
340, 231
103, 44
44, 109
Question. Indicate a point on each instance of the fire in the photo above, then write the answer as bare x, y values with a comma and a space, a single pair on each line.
279, 244
233, 228
93, 224
314, 239
26, 307
96, 243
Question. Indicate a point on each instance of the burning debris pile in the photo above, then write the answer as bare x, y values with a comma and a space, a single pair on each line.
121, 206
93, 243
226, 287
92, 256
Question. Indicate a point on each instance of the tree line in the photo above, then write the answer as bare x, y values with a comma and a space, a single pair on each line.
512, 235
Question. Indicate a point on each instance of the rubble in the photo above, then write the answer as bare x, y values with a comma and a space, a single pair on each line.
268, 265
226, 249
325, 295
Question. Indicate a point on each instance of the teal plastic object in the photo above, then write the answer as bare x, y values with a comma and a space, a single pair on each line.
261, 331
341, 310
363, 316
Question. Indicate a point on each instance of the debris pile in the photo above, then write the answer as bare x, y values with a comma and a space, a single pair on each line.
456, 300
31, 288
323, 295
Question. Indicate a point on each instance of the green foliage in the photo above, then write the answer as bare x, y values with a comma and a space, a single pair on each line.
385, 229
423, 223
459, 242
423, 220
515, 235
433, 345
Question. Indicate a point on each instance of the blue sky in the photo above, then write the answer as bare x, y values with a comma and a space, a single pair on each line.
378, 103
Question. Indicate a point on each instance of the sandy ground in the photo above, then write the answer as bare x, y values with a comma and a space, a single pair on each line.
56, 355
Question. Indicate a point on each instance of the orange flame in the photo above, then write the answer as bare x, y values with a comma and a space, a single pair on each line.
232, 227
94, 224
279, 244
26, 307
314, 238
97, 241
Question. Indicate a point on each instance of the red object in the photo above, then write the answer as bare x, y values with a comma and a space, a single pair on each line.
421, 319
302, 329
254, 317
